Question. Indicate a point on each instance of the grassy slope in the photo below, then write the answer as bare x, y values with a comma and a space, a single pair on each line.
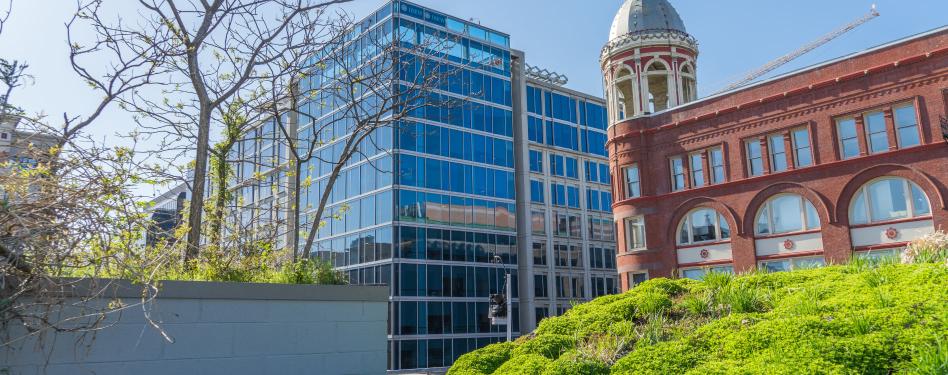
853, 319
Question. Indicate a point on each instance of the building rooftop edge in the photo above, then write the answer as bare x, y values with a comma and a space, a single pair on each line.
574, 92
469, 22
806, 69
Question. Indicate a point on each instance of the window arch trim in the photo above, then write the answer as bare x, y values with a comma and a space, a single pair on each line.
665, 67
722, 234
910, 189
936, 198
809, 217
824, 210
690, 69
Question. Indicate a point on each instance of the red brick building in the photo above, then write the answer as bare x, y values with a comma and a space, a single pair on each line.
845, 158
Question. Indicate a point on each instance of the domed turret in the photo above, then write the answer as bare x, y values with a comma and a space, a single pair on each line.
642, 16
649, 63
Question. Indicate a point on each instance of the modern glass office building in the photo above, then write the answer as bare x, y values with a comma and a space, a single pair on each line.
514, 169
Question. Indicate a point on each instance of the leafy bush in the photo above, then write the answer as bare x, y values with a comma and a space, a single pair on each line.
483, 361
575, 363
530, 364
931, 359
868, 318
549, 346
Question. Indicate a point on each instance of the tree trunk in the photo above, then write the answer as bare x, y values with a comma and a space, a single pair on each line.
197, 184
323, 201
296, 213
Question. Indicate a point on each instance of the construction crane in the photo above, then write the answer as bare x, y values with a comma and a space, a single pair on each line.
873, 13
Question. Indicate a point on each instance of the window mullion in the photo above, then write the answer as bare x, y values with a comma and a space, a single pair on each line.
717, 226
688, 230
802, 213
910, 204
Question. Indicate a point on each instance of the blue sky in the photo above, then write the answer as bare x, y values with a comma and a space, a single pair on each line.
735, 36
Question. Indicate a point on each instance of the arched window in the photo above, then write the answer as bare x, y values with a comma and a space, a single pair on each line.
703, 225
689, 86
657, 78
888, 199
625, 102
786, 213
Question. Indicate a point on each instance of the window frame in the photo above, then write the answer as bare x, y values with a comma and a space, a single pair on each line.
841, 141
717, 229
863, 193
748, 144
696, 172
705, 270
629, 183
792, 263
541, 192
796, 147
878, 254
536, 156
630, 277
713, 168
915, 125
777, 159
533, 215
804, 220
642, 244
675, 186
885, 131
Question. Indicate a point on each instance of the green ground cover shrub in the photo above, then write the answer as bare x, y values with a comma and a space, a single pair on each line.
866, 317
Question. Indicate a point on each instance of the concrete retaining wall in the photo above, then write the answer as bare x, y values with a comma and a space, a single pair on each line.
221, 328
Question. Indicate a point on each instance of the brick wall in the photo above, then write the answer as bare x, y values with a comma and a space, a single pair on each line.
914, 71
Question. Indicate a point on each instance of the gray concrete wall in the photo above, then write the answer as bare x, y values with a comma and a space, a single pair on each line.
220, 328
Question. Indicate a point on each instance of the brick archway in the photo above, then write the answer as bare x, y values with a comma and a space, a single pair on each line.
824, 209
703, 202
935, 196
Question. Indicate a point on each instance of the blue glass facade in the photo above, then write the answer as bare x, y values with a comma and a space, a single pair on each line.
430, 207
430, 201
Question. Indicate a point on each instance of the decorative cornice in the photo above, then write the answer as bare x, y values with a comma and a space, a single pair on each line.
646, 38
782, 116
